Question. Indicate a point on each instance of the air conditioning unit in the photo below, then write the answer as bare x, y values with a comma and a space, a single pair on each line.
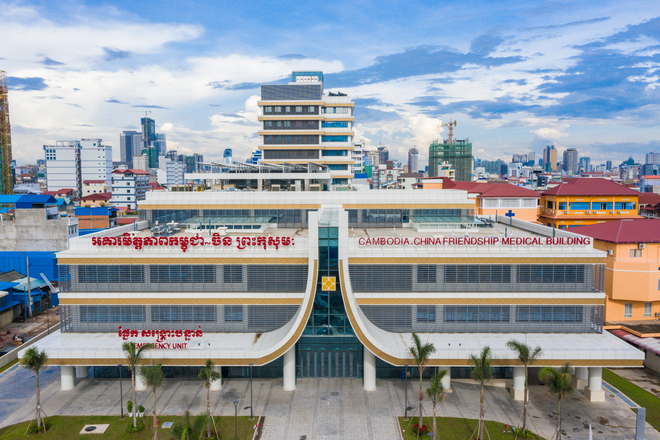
619, 212
587, 212
657, 314
610, 252
564, 212
611, 212
642, 245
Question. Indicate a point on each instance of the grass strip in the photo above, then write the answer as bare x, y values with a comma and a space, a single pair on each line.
69, 427
9, 365
638, 395
451, 428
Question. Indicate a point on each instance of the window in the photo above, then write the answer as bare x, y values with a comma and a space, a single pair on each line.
648, 309
549, 313
310, 109
477, 274
299, 109
268, 123
477, 313
551, 205
287, 109
232, 274
624, 205
552, 274
334, 124
425, 313
335, 152
234, 313
561, 206
278, 109
268, 109
426, 274
334, 138
579, 206
182, 274
635, 253
183, 314
601, 206
627, 310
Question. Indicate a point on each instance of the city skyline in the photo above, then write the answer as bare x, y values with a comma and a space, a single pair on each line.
516, 79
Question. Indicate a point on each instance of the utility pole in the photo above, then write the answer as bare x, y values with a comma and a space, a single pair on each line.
29, 291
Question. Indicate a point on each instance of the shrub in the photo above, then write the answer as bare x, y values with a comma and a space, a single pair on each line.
129, 406
424, 430
140, 409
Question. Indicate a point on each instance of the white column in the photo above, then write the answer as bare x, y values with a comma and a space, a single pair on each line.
260, 185
82, 372
68, 377
518, 388
290, 369
594, 392
580, 379
446, 381
369, 371
139, 383
217, 384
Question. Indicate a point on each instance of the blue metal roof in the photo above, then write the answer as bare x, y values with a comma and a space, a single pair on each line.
37, 198
9, 304
7, 285
9, 199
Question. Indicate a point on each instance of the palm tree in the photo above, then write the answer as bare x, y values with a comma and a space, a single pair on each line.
436, 393
527, 356
153, 377
209, 375
482, 373
35, 360
559, 384
133, 356
421, 354
189, 428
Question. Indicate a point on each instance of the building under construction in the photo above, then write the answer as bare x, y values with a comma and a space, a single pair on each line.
457, 152
7, 181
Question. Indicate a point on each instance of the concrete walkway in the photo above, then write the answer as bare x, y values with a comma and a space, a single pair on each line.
642, 377
330, 409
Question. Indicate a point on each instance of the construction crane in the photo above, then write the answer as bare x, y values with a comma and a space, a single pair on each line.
7, 181
451, 126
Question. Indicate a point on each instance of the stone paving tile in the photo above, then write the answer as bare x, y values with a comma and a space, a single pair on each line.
320, 409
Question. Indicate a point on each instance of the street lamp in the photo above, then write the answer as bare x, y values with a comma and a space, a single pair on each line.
251, 414
236, 419
405, 378
121, 394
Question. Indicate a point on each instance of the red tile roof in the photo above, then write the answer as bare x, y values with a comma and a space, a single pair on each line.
493, 190
590, 187
649, 198
65, 191
623, 231
88, 182
125, 220
131, 171
100, 196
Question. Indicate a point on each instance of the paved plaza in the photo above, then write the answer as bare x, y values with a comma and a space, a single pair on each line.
329, 409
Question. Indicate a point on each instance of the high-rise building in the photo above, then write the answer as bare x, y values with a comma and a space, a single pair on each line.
653, 158
148, 131
160, 144
550, 158
303, 125
608, 165
584, 166
7, 180
458, 153
69, 163
413, 156
129, 145
570, 163
226, 156
383, 154
358, 157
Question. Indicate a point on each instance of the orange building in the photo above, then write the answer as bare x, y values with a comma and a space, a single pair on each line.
632, 277
500, 198
587, 201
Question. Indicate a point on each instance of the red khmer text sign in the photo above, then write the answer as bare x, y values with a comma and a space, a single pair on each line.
184, 243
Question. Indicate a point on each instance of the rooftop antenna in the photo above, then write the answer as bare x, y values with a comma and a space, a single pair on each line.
451, 126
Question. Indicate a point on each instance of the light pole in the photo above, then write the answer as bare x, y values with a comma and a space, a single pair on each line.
405, 375
251, 414
236, 419
121, 394
48, 314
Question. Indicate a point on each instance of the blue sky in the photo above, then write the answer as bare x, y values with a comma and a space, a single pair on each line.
517, 75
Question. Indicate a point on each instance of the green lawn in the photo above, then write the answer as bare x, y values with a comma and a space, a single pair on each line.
459, 429
638, 395
69, 427
9, 365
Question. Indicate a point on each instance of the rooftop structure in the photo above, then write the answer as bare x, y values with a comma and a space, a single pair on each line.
7, 179
458, 153
302, 124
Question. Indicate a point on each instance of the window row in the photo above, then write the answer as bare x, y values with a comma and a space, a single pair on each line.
309, 125
293, 139
335, 110
334, 138
594, 206
290, 109
334, 124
